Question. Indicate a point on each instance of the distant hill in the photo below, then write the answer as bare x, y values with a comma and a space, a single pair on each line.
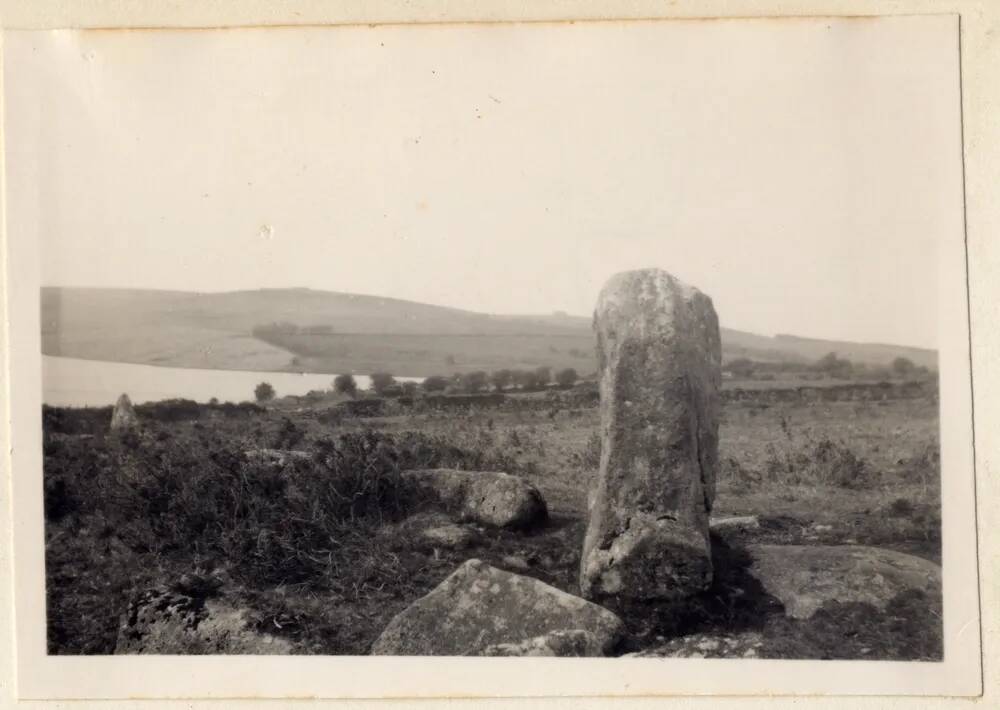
323, 331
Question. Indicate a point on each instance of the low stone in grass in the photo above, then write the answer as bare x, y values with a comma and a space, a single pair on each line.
163, 621
486, 497
431, 530
124, 418
480, 609
275, 457
449, 537
804, 577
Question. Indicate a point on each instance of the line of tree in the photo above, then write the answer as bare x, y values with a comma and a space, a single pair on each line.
385, 384
501, 380
830, 365
842, 368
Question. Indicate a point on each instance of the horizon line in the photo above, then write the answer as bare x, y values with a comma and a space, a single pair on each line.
555, 312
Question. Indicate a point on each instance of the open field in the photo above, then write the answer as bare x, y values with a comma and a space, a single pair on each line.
317, 549
424, 354
330, 332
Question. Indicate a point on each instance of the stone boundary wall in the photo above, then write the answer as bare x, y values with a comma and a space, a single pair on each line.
583, 399
92, 420
853, 392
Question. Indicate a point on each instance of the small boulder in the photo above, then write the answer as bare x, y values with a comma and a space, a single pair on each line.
486, 497
804, 577
165, 621
479, 608
124, 418
572, 643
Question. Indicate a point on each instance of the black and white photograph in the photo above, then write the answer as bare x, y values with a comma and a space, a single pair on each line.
607, 340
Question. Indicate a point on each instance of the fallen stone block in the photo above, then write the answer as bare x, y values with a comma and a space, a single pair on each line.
479, 607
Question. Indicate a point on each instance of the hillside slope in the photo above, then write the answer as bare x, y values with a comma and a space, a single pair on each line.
353, 333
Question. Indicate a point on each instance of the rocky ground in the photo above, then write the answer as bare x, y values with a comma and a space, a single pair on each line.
825, 537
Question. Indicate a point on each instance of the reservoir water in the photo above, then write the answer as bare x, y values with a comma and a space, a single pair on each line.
70, 382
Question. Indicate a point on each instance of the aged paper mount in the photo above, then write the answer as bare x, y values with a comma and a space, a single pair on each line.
42, 676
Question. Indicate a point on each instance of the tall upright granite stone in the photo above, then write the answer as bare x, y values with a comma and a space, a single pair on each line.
124, 418
660, 372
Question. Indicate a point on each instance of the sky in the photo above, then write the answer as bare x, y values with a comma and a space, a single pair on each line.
803, 173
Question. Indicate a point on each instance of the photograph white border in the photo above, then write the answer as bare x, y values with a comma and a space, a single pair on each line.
355, 677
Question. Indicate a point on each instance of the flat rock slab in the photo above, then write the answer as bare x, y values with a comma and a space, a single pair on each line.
165, 622
480, 608
487, 497
567, 644
804, 577
743, 645
660, 372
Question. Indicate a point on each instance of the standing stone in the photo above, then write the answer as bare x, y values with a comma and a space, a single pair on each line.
660, 372
124, 416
